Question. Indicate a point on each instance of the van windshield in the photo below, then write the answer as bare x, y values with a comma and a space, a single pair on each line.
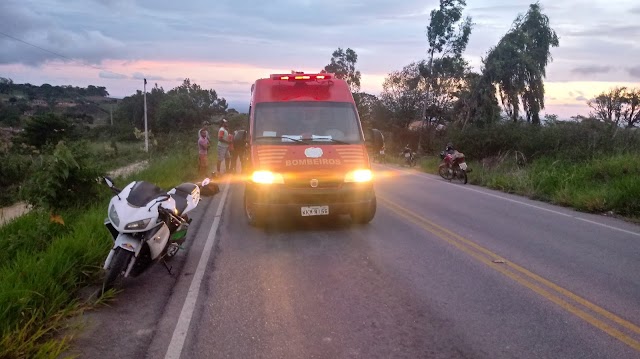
290, 122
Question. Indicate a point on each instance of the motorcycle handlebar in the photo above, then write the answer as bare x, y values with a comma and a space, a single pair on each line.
169, 213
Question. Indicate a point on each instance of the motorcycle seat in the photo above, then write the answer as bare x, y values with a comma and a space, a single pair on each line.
181, 203
180, 197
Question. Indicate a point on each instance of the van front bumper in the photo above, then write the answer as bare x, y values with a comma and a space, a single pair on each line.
271, 199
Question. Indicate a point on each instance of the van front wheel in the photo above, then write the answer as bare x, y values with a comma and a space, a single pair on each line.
364, 214
254, 217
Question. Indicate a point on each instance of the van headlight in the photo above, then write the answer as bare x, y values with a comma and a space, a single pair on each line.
267, 177
138, 224
359, 176
113, 216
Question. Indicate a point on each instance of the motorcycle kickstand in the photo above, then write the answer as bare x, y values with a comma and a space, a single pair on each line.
167, 266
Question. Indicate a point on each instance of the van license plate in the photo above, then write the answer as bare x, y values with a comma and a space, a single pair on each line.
314, 211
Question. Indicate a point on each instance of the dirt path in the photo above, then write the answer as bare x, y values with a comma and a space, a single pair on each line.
18, 209
126, 170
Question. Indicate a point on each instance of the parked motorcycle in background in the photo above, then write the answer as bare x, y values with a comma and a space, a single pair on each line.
409, 157
453, 166
148, 225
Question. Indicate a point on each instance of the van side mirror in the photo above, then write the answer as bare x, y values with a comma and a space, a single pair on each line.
375, 140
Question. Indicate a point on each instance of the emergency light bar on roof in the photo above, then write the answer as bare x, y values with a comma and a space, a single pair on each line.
301, 77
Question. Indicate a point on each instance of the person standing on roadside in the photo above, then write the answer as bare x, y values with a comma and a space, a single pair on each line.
223, 143
232, 158
239, 151
203, 152
205, 128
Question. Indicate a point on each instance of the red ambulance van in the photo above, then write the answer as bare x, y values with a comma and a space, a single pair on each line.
306, 150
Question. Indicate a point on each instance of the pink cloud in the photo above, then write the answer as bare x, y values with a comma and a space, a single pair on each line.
233, 80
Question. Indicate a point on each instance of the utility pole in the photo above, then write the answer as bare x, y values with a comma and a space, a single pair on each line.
146, 130
111, 113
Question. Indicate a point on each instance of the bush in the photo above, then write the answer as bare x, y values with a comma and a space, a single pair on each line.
570, 141
14, 168
46, 129
118, 132
64, 178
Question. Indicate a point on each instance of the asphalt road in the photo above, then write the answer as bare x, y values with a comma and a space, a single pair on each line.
443, 271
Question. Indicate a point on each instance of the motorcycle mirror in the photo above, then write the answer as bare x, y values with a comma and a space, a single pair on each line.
109, 181
162, 198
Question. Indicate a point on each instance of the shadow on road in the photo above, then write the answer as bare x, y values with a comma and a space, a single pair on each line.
290, 225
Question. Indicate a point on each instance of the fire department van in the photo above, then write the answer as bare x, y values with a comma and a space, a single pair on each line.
306, 149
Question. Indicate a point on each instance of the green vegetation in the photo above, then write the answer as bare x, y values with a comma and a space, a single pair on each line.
86, 106
590, 166
44, 264
494, 116
605, 183
55, 250
602, 184
184, 106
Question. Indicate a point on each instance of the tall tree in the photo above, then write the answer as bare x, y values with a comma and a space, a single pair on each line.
402, 95
448, 35
189, 105
367, 105
619, 106
631, 114
477, 103
343, 64
518, 64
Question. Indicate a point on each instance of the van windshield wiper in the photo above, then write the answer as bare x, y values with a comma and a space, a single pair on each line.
333, 140
281, 137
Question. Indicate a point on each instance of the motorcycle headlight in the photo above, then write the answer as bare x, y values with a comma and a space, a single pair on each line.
138, 224
113, 216
359, 176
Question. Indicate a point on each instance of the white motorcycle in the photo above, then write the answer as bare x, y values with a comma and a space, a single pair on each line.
148, 225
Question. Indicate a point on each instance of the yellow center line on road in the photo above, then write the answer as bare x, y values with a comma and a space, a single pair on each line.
524, 277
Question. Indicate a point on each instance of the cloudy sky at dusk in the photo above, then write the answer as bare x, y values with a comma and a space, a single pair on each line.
226, 45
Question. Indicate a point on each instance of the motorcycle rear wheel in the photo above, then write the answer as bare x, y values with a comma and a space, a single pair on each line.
118, 265
460, 175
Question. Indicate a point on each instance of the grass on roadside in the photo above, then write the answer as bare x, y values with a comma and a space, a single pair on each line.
117, 154
602, 184
44, 265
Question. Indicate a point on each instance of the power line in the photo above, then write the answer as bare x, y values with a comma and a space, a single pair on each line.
49, 51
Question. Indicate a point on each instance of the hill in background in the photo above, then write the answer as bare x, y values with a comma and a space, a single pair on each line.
91, 105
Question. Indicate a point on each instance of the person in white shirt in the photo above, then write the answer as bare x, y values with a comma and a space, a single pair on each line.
223, 143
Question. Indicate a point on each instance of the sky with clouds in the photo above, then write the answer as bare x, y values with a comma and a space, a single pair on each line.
227, 44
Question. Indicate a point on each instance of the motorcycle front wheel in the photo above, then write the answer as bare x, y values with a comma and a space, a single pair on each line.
443, 171
118, 265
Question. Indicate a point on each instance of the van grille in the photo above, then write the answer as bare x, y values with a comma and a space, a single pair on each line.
324, 181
